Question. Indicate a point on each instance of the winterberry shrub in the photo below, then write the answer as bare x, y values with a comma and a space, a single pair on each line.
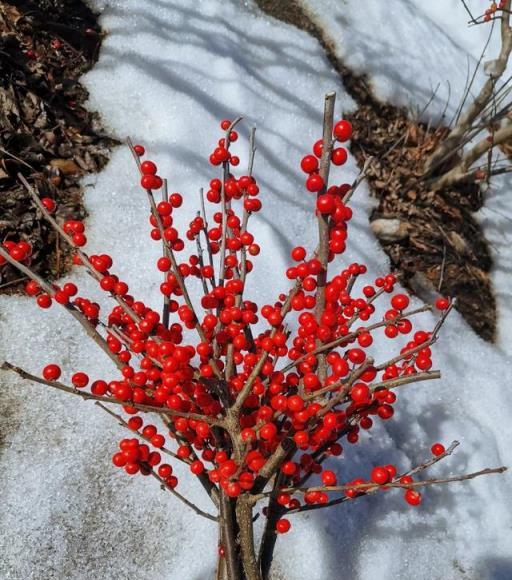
264, 394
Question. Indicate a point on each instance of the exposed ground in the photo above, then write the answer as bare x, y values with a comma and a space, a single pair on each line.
46, 132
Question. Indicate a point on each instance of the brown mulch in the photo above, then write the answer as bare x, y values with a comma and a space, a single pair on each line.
46, 132
439, 244
436, 245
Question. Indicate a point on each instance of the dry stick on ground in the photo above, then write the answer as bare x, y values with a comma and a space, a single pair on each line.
462, 171
451, 144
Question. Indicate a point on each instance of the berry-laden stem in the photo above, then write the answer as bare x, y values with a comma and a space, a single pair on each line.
87, 326
7, 366
167, 299
323, 219
82, 255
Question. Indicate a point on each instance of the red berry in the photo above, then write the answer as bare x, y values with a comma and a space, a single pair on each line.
298, 254
49, 204
329, 478
442, 303
44, 301
343, 130
158, 441
51, 372
360, 393
197, 467
80, 380
148, 168
437, 449
380, 475
339, 156
318, 147
412, 497
309, 164
164, 264
314, 183
139, 149
325, 203
268, 431
400, 302
147, 181
70, 289
282, 526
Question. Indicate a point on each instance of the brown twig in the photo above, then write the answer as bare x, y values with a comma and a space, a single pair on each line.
6, 366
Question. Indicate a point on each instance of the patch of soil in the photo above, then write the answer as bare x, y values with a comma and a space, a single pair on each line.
46, 132
431, 238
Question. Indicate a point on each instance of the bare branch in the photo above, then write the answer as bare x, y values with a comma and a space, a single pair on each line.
183, 499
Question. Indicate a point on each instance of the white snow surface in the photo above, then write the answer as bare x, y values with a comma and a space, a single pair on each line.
418, 54
167, 73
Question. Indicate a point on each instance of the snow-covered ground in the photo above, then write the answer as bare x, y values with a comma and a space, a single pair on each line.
168, 72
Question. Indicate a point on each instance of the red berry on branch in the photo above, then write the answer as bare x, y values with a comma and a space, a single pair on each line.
148, 168
442, 303
282, 526
314, 183
329, 478
80, 380
44, 301
318, 147
339, 156
343, 130
32, 288
197, 467
325, 203
51, 372
139, 149
309, 164
437, 449
380, 475
400, 301
412, 497
49, 204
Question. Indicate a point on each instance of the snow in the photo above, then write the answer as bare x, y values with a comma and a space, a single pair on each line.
417, 54
168, 72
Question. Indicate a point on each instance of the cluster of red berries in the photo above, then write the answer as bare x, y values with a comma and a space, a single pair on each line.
20, 251
310, 163
221, 153
311, 399
136, 457
149, 179
493, 8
